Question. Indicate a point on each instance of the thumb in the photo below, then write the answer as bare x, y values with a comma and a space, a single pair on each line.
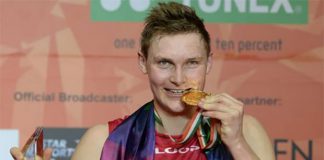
47, 153
16, 153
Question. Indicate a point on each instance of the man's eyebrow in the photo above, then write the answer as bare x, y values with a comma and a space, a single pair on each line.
195, 58
158, 58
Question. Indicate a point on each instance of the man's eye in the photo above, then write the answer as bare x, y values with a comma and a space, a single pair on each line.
193, 63
164, 64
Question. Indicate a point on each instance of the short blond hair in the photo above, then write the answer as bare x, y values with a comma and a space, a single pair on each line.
169, 19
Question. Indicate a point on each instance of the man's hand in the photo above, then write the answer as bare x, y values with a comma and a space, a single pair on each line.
230, 113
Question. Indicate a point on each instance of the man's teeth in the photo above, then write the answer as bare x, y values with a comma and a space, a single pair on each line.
176, 90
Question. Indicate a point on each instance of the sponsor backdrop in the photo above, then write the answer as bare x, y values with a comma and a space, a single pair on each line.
68, 64
8, 138
62, 140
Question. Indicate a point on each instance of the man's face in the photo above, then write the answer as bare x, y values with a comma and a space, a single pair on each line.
175, 63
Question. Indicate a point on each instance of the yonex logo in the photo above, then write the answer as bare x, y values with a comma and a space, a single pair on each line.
230, 11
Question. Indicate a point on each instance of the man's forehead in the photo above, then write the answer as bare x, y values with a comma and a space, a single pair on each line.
185, 45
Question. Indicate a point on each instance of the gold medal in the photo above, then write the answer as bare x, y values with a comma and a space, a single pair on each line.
192, 97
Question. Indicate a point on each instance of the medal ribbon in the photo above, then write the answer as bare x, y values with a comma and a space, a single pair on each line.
204, 127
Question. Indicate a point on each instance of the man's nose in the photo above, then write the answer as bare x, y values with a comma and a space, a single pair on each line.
178, 77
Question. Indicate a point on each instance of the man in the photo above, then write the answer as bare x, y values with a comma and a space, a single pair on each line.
175, 55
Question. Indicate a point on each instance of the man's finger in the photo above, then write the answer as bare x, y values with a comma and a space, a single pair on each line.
47, 153
16, 153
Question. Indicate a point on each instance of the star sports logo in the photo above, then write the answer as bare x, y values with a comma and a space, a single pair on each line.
224, 11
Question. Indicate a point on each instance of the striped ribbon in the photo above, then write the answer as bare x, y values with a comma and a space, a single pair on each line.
204, 127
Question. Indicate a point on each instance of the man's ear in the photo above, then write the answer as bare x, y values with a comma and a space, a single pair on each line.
142, 62
209, 62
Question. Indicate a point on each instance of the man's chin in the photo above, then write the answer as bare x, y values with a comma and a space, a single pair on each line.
177, 107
